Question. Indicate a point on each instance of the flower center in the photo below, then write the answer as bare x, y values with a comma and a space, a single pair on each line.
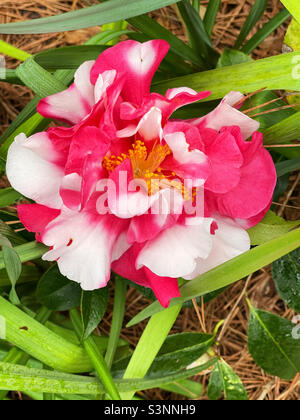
146, 166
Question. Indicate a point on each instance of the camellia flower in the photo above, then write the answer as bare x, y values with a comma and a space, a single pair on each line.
127, 188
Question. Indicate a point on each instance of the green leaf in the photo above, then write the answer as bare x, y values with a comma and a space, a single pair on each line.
272, 73
56, 292
186, 387
223, 378
200, 40
29, 274
93, 307
229, 272
265, 31
22, 378
294, 7
107, 12
68, 57
177, 353
292, 36
285, 131
231, 57
287, 166
268, 120
14, 268
255, 14
271, 227
38, 79
286, 274
8, 197
150, 344
10, 234
272, 345
216, 385
210, 15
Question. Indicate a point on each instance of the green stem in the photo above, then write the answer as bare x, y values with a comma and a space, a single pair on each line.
16, 355
96, 357
13, 52
117, 320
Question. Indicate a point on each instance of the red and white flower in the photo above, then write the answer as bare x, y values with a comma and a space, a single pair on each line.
111, 190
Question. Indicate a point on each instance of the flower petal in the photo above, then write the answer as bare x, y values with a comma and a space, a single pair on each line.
165, 288
82, 245
31, 169
165, 210
174, 252
229, 241
256, 187
188, 164
225, 115
35, 217
138, 61
73, 104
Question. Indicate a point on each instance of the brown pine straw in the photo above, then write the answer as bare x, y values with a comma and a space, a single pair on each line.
231, 306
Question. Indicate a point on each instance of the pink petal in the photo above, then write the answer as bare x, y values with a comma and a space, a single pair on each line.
186, 163
166, 209
73, 104
226, 161
255, 189
165, 288
70, 191
138, 61
35, 217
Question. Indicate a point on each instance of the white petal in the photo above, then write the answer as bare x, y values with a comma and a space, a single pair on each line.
225, 115
75, 103
31, 171
175, 251
104, 81
82, 246
229, 241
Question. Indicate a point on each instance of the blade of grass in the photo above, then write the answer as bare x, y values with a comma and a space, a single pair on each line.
200, 40
265, 31
11, 51
96, 357
273, 73
210, 15
285, 131
196, 5
16, 355
117, 319
149, 345
21, 379
294, 7
154, 30
40, 343
255, 14
106, 12
228, 273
